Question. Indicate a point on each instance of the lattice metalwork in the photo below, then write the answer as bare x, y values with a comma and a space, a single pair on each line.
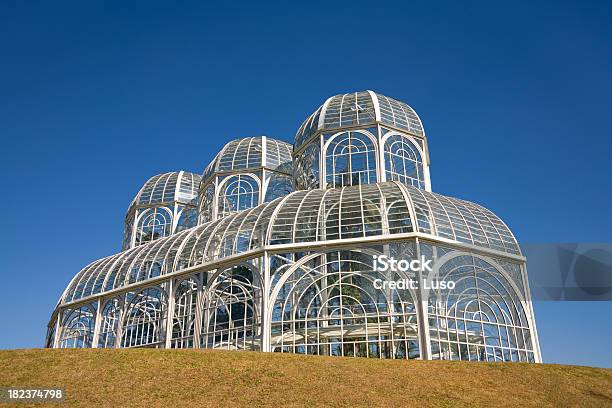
329, 305
164, 205
361, 138
483, 318
362, 211
239, 176
358, 109
273, 249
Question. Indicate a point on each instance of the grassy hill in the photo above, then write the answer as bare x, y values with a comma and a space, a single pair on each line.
177, 378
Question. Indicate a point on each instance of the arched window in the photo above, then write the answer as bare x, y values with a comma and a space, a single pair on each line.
144, 319
78, 328
109, 323
238, 193
185, 305
482, 318
403, 161
331, 304
154, 223
350, 159
230, 317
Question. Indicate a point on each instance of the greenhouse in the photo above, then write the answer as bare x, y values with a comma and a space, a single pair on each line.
273, 249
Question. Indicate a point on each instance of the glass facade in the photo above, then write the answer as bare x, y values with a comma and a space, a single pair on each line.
274, 249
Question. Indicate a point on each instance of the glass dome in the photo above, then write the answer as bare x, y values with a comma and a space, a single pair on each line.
180, 186
246, 172
164, 205
361, 138
359, 108
249, 153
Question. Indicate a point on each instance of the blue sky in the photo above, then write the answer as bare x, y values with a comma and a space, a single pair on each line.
95, 97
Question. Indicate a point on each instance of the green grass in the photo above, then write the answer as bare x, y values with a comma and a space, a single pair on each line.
178, 378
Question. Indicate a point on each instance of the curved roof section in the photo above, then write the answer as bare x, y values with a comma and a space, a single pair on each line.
359, 108
177, 186
368, 210
247, 153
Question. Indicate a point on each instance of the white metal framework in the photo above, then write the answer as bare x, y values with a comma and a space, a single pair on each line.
246, 172
164, 205
361, 137
272, 269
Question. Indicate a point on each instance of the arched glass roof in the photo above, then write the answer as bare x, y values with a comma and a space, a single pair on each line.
247, 153
178, 186
359, 108
369, 210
